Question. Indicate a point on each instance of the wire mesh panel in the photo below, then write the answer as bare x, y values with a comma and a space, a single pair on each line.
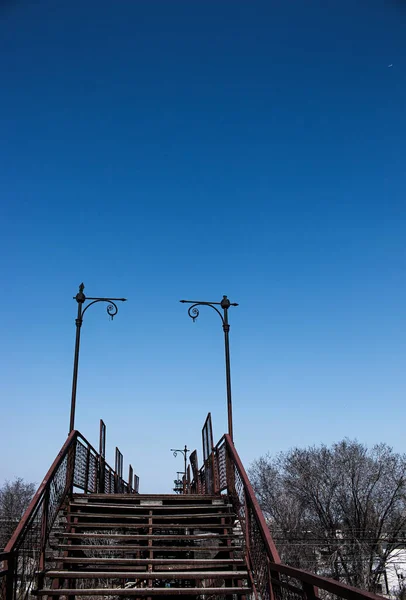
77, 465
102, 444
80, 466
207, 439
29, 541
221, 465
270, 579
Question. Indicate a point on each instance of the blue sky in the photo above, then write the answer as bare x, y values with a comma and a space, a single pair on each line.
162, 150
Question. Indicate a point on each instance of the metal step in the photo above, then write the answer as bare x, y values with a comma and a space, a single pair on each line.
122, 536
138, 498
222, 591
96, 515
164, 507
131, 549
148, 561
108, 525
146, 574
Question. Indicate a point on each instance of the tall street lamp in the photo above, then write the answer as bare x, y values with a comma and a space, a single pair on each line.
225, 304
112, 310
184, 452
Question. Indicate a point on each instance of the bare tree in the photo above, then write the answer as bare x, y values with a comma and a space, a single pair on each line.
338, 511
14, 499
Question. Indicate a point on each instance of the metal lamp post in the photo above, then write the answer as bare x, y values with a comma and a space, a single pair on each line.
225, 304
184, 452
112, 310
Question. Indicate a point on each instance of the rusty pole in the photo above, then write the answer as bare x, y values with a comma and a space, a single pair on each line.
80, 299
184, 452
112, 310
225, 304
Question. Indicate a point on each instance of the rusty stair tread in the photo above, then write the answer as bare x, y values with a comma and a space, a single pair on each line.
149, 536
96, 515
61, 574
194, 591
147, 561
106, 525
146, 507
130, 548
178, 498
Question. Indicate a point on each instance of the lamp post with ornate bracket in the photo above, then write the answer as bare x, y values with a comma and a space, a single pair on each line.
184, 452
112, 310
225, 304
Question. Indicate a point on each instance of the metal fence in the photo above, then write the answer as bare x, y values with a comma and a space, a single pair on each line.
270, 579
78, 465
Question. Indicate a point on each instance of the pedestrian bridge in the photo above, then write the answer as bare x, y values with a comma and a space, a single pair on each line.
89, 533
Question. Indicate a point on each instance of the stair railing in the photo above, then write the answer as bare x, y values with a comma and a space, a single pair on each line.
78, 465
270, 579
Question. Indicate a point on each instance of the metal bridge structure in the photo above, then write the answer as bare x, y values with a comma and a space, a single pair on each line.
89, 533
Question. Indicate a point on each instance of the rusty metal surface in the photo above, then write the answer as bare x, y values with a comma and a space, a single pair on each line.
76, 466
112, 310
270, 579
102, 443
225, 304
195, 483
208, 460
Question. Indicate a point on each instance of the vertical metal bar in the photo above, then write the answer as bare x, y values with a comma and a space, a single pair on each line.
226, 329
87, 470
130, 479
116, 460
70, 466
102, 458
310, 591
44, 528
188, 480
247, 528
10, 577
80, 298
116, 463
102, 439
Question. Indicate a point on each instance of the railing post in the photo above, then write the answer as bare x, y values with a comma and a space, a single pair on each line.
271, 592
10, 577
188, 480
230, 475
247, 526
70, 467
310, 591
216, 475
102, 474
87, 470
130, 479
102, 458
44, 530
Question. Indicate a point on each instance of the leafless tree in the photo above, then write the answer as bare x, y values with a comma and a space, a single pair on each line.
338, 511
14, 499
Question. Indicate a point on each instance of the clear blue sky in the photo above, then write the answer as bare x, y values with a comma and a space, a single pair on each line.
164, 149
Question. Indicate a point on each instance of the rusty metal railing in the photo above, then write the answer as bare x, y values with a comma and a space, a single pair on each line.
78, 465
270, 579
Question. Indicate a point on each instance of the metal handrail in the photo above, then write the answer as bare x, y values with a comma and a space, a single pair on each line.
15, 538
252, 500
270, 579
77, 465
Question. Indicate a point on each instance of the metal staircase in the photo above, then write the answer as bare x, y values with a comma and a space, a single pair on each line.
144, 546
88, 533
